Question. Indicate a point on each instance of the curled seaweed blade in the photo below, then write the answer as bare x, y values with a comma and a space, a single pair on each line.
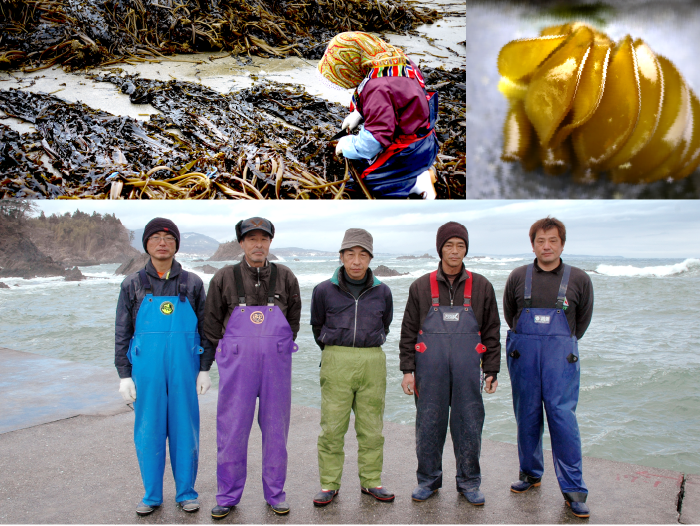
517, 133
589, 90
691, 158
553, 86
617, 114
520, 58
669, 131
651, 85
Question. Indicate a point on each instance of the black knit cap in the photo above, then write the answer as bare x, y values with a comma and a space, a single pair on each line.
160, 224
448, 231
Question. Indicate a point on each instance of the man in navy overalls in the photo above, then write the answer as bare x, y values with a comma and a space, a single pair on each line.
548, 306
162, 365
450, 348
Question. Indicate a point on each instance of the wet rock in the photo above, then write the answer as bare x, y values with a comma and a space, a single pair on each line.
3, 286
207, 269
383, 271
74, 274
133, 265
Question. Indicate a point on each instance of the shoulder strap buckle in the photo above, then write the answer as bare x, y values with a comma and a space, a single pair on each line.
561, 296
468, 289
528, 285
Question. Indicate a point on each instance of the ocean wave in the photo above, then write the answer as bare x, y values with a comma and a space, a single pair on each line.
488, 259
689, 265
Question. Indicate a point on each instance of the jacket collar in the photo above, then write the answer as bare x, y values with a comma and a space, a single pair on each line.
553, 271
338, 279
442, 277
263, 271
174, 270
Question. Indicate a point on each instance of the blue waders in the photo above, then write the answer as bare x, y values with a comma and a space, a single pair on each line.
164, 352
448, 374
543, 367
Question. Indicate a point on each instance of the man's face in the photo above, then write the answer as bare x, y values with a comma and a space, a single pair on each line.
356, 262
161, 246
453, 253
547, 246
256, 246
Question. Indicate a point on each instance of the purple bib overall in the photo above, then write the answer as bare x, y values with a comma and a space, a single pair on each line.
448, 375
255, 361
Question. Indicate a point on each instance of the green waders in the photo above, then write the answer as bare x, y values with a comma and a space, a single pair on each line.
352, 378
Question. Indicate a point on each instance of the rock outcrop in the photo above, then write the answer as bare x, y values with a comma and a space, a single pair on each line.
3, 286
207, 269
133, 265
232, 251
74, 274
386, 272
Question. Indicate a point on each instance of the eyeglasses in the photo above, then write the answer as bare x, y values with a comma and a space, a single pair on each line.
158, 239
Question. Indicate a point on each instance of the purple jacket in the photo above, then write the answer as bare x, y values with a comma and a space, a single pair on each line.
393, 106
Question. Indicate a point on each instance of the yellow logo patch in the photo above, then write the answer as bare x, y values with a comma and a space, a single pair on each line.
167, 308
257, 317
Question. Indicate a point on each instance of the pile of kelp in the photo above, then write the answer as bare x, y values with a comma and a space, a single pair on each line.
85, 33
265, 142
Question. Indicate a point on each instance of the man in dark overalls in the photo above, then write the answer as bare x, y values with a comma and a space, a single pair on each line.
548, 306
450, 348
252, 316
159, 358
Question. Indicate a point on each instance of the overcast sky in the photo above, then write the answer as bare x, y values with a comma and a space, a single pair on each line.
668, 229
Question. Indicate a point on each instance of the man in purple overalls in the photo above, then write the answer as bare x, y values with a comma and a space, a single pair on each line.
450, 342
548, 305
252, 316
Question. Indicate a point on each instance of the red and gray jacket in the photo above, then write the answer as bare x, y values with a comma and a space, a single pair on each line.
337, 318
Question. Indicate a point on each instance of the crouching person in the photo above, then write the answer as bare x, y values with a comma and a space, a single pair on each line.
350, 318
163, 363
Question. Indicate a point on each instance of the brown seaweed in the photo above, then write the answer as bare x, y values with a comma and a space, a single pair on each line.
265, 142
84, 33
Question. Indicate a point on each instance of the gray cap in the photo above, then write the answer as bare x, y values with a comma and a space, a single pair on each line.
357, 237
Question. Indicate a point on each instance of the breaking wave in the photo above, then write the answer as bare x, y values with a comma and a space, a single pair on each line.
689, 265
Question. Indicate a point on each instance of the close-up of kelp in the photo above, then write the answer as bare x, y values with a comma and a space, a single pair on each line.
268, 141
580, 101
83, 33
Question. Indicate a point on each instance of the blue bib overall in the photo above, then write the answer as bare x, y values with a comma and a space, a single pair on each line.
164, 353
448, 387
543, 365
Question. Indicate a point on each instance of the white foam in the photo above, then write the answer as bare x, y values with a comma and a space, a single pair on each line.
657, 271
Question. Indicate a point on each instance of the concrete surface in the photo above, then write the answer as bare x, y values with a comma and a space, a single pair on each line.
36, 389
690, 509
84, 470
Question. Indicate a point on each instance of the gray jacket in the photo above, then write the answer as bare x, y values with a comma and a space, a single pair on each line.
130, 298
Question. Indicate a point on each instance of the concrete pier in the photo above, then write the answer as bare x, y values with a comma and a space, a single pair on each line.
76, 463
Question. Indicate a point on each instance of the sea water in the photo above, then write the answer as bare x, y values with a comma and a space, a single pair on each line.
639, 399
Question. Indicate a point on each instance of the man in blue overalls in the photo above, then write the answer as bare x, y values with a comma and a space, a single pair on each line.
162, 365
450, 348
548, 306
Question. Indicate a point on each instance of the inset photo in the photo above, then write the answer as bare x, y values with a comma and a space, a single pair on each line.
221, 99
581, 99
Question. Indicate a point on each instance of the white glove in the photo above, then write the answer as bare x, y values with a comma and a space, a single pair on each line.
341, 144
203, 382
352, 121
127, 389
424, 186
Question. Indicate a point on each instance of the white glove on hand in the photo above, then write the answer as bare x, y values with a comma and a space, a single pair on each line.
341, 143
127, 389
203, 382
352, 121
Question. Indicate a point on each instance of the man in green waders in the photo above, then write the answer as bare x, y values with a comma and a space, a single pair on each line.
350, 317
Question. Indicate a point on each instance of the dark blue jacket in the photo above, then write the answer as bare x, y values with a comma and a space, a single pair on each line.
338, 319
130, 298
